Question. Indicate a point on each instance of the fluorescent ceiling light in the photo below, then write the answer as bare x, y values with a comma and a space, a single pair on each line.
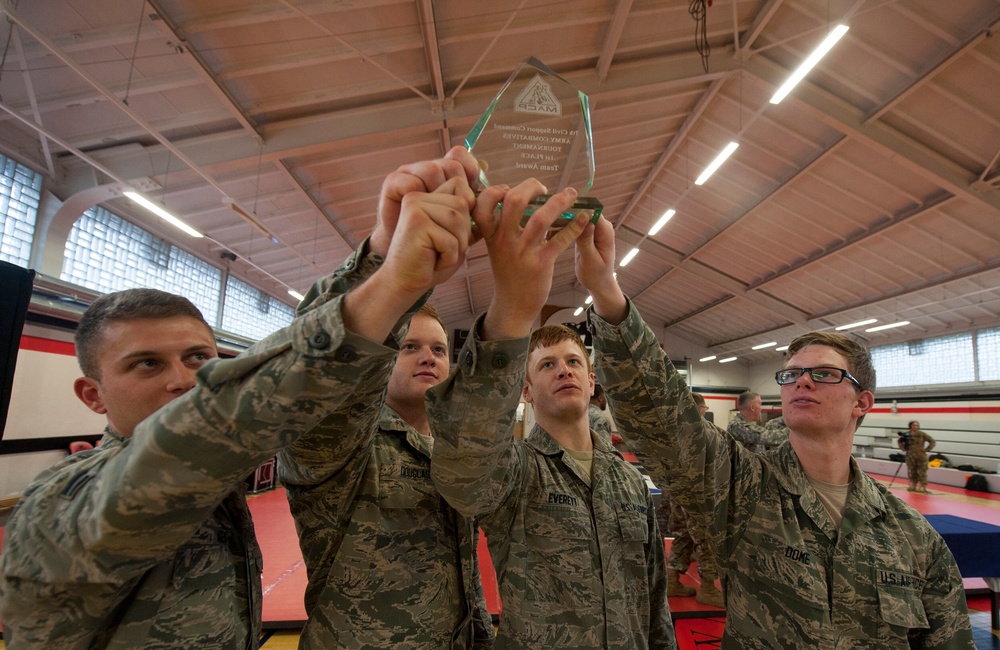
764, 345
889, 326
163, 214
579, 310
628, 258
807, 65
662, 221
721, 158
711, 358
589, 300
781, 349
295, 294
727, 359
858, 324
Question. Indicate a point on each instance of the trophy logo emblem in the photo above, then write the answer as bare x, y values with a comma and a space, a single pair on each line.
538, 98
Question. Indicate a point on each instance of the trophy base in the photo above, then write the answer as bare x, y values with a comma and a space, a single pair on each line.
587, 205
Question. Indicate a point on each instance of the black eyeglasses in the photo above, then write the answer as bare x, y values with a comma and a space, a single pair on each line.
818, 375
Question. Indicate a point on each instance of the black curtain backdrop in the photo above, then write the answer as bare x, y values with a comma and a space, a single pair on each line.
15, 289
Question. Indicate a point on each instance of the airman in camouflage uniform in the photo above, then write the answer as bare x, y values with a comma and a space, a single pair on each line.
571, 526
918, 443
146, 541
745, 426
390, 563
867, 572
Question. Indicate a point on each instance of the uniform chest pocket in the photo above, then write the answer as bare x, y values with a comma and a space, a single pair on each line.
899, 599
634, 526
782, 567
407, 486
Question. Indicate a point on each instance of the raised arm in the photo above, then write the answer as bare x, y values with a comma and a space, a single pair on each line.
473, 412
649, 399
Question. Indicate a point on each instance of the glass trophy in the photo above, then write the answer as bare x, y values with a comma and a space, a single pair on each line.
538, 126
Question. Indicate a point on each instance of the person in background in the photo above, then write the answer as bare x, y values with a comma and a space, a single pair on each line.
916, 444
745, 426
597, 413
688, 540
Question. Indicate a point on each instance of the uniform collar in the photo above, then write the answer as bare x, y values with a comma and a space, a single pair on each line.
864, 502
392, 422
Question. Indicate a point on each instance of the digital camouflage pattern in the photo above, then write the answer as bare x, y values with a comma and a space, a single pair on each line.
775, 433
390, 563
687, 541
886, 580
599, 423
580, 561
147, 542
750, 434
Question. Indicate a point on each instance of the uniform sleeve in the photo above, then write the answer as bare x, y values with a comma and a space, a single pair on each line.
148, 497
944, 604
349, 428
931, 443
475, 463
711, 476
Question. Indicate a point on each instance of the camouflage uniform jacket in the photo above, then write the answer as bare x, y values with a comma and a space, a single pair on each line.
599, 422
750, 434
580, 561
143, 543
886, 580
390, 563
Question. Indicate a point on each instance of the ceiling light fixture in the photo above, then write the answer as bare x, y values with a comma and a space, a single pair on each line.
662, 221
764, 345
711, 358
628, 258
889, 326
161, 213
858, 324
721, 158
589, 300
579, 310
295, 294
810, 62
781, 349
727, 359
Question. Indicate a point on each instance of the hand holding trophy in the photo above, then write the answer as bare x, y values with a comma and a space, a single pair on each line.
538, 126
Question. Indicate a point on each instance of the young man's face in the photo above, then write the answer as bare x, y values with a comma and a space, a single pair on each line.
422, 362
815, 409
144, 364
559, 385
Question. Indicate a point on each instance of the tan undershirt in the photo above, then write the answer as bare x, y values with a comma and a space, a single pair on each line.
833, 497
585, 458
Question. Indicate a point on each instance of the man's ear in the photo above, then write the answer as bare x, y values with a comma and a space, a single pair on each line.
866, 400
88, 390
526, 392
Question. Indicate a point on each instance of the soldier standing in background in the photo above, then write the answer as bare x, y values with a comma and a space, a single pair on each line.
745, 426
597, 413
916, 444
688, 539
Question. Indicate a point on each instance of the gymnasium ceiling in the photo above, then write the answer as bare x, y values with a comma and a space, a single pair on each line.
872, 191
